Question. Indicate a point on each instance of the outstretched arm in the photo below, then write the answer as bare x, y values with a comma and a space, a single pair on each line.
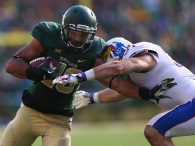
108, 95
125, 87
142, 64
83, 98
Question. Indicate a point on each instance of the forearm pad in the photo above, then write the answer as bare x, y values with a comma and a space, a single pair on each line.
35, 74
145, 93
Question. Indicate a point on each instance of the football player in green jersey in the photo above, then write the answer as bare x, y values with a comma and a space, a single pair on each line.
47, 109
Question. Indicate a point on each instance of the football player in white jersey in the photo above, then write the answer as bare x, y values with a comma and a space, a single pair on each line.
146, 64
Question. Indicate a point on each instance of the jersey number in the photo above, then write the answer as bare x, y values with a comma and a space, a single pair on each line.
60, 87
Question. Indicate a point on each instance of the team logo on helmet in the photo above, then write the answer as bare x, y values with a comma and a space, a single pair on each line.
107, 52
114, 52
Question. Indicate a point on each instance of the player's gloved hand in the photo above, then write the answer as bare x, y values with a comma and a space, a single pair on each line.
158, 91
82, 99
50, 73
68, 78
45, 73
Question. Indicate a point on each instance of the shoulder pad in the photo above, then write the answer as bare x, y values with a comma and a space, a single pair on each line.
99, 43
47, 26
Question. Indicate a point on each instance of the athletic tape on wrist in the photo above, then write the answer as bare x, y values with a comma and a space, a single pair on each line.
34, 73
84, 78
94, 97
88, 75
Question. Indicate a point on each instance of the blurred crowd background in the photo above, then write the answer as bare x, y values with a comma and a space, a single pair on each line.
168, 23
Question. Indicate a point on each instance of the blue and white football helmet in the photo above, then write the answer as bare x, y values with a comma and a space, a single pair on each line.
115, 48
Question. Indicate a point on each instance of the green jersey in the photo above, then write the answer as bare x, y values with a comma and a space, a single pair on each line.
59, 97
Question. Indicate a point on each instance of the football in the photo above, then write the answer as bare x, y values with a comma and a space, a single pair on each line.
41, 61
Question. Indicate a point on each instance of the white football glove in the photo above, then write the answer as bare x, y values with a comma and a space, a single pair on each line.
68, 78
82, 99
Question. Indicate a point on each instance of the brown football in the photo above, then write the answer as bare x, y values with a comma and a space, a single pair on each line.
40, 62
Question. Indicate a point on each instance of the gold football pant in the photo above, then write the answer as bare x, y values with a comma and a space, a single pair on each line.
29, 124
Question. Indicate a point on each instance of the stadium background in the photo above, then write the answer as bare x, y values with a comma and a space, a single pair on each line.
169, 23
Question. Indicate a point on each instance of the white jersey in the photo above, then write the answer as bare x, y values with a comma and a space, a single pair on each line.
166, 68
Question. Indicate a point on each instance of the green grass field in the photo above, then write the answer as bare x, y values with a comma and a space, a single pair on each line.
114, 134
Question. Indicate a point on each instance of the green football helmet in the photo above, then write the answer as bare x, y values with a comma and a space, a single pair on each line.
78, 28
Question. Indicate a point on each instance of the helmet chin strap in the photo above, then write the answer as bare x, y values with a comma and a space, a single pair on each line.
72, 48
72, 43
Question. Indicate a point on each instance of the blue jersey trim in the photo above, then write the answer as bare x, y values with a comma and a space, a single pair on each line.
139, 53
91, 98
175, 117
84, 77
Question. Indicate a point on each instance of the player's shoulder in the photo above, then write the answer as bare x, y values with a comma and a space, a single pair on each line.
144, 45
98, 43
47, 27
47, 33
96, 48
141, 48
